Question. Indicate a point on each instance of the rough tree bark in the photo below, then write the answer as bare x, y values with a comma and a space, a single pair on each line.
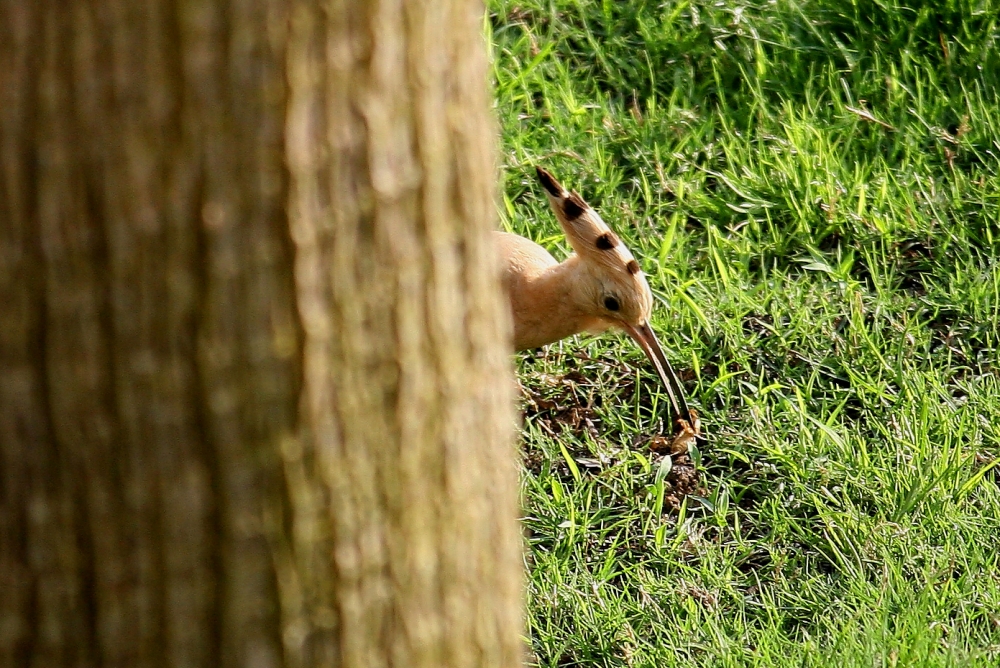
254, 405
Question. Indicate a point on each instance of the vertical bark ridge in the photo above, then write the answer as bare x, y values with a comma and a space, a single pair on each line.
127, 65
78, 365
26, 446
248, 348
395, 355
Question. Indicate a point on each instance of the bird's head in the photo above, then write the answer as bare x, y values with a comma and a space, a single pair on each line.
613, 284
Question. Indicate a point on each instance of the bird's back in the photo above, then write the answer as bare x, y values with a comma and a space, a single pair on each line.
521, 259
541, 310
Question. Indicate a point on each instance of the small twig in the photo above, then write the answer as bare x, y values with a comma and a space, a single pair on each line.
866, 115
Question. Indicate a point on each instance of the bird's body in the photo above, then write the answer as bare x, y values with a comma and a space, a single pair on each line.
598, 287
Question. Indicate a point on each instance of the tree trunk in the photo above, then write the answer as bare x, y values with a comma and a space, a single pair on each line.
254, 396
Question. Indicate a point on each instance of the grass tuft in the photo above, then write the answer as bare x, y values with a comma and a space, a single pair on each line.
813, 188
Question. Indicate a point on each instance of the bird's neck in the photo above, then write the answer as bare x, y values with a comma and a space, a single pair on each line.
559, 307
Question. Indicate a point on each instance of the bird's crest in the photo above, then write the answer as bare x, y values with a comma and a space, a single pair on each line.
589, 235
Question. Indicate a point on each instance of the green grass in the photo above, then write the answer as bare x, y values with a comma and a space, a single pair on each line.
828, 284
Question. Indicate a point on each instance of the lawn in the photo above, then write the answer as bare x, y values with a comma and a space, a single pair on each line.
813, 189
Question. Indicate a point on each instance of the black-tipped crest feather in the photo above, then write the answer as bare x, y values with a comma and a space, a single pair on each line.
606, 241
573, 206
549, 182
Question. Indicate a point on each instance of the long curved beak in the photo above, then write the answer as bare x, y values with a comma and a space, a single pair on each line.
644, 336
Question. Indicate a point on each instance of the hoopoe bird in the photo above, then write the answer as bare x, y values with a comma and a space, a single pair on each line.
599, 286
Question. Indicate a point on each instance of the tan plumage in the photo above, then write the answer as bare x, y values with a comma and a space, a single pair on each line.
597, 287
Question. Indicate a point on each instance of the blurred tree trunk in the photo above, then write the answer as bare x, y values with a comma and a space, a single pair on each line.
254, 405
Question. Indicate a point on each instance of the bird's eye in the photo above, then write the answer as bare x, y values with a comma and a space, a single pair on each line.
611, 304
